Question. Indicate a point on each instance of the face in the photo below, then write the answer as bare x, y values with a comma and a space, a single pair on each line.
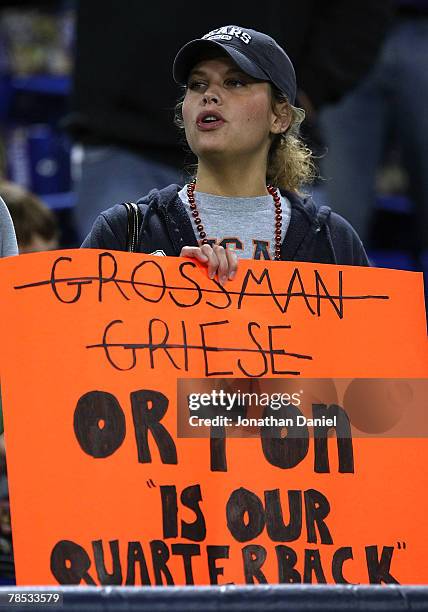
228, 113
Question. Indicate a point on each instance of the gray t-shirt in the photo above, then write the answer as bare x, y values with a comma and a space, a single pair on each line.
8, 244
246, 225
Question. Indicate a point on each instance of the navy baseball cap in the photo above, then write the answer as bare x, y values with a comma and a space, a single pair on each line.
256, 54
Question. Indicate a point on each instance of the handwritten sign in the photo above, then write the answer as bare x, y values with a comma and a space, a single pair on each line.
104, 491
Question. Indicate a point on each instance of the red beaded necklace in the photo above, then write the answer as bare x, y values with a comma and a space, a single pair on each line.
200, 228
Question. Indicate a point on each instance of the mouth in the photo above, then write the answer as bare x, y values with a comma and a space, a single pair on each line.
209, 120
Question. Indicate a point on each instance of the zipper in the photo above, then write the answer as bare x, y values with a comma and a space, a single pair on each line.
133, 218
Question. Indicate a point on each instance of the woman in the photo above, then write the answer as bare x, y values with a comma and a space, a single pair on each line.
244, 201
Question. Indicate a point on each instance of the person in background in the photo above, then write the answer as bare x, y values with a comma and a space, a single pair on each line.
36, 230
36, 226
8, 247
122, 100
390, 99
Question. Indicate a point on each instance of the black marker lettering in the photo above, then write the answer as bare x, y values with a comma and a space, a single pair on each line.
70, 563
102, 280
115, 577
99, 424
162, 285
198, 297
148, 419
252, 324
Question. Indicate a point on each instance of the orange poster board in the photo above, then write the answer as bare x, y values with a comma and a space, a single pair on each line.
104, 491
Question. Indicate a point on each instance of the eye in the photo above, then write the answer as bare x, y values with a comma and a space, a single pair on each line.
236, 82
196, 85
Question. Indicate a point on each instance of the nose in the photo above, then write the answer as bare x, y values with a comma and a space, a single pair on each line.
210, 98
211, 95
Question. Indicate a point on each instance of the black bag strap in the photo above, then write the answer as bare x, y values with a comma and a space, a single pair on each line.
133, 226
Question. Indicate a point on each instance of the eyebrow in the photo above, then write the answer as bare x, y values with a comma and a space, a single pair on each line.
228, 72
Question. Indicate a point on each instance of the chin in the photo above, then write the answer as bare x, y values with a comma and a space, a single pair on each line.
211, 141
208, 150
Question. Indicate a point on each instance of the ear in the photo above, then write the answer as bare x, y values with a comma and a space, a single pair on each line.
281, 117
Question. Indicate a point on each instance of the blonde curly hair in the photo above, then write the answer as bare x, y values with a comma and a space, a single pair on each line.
290, 162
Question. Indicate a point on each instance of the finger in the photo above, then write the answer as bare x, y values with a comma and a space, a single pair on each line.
232, 259
223, 264
194, 252
212, 264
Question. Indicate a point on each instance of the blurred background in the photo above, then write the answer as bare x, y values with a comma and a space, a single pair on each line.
85, 89
86, 109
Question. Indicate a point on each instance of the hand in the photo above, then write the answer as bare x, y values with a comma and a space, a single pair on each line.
218, 260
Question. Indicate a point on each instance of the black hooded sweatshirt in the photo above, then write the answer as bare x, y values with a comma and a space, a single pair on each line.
314, 234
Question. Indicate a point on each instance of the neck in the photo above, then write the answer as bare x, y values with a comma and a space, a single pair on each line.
233, 181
